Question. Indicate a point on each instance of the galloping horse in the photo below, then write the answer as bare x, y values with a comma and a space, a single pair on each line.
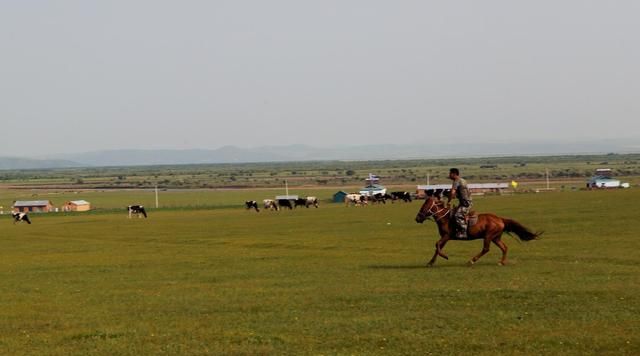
489, 228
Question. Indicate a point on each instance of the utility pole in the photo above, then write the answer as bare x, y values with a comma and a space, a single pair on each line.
547, 169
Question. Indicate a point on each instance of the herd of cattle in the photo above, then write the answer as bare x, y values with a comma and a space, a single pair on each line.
357, 199
277, 204
354, 199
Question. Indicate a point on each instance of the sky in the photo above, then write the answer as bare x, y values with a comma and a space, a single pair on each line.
79, 76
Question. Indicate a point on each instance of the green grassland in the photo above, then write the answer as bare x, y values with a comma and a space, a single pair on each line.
569, 170
328, 281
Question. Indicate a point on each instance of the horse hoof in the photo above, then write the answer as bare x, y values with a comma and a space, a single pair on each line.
470, 263
502, 263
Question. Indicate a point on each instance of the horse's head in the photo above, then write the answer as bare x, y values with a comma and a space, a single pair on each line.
430, 207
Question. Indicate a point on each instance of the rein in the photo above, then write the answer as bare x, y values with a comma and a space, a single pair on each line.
438, 211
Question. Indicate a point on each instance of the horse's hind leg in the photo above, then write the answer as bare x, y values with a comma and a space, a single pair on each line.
503, 248
485, 248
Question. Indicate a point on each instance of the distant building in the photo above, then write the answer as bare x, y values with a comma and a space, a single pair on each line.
603, 179
36, 206
77, 205
474, 188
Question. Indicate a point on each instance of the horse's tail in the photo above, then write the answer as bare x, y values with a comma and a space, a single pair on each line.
522, 232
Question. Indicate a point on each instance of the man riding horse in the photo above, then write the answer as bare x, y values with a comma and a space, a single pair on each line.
460, 191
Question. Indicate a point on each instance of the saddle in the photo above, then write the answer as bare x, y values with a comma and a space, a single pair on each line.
472, 218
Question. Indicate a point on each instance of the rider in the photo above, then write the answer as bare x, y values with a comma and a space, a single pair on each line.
460, 190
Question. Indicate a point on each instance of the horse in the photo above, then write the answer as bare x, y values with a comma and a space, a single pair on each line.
489, 228
18, 217
137, 209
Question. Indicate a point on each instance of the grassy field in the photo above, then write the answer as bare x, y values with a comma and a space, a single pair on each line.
569, 170
330, 281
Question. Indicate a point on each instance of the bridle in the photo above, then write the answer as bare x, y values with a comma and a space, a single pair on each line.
430, 213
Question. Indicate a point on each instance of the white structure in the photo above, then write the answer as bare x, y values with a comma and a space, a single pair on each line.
286, 197
77, 205
372, 187
474, 188
602, 179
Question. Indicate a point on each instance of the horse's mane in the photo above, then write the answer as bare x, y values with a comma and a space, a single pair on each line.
439, 203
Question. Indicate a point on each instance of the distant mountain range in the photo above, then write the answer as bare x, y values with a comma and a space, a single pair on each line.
232, 154
15, 163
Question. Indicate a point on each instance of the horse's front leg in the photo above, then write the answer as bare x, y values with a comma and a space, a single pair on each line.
439, 246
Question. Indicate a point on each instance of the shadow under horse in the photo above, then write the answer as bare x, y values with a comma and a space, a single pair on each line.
488, 228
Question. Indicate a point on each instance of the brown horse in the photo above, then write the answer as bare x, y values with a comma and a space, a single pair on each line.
489, 228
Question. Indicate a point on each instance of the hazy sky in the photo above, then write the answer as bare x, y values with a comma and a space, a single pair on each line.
88, 75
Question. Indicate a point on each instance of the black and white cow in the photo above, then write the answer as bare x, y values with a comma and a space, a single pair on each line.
404, 196
300, 202
438, 193
270, 204
380, 198
306, 202
137, 209
285, 203
355, 199
252, 204
312, 201
18, 217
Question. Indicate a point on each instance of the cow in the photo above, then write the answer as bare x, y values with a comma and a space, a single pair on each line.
312, 201
306, 202
404, 196
380, 198
438, 193
285, 203
18, 217
300, 202
355, 199
252, 204
137, 209
270, 204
